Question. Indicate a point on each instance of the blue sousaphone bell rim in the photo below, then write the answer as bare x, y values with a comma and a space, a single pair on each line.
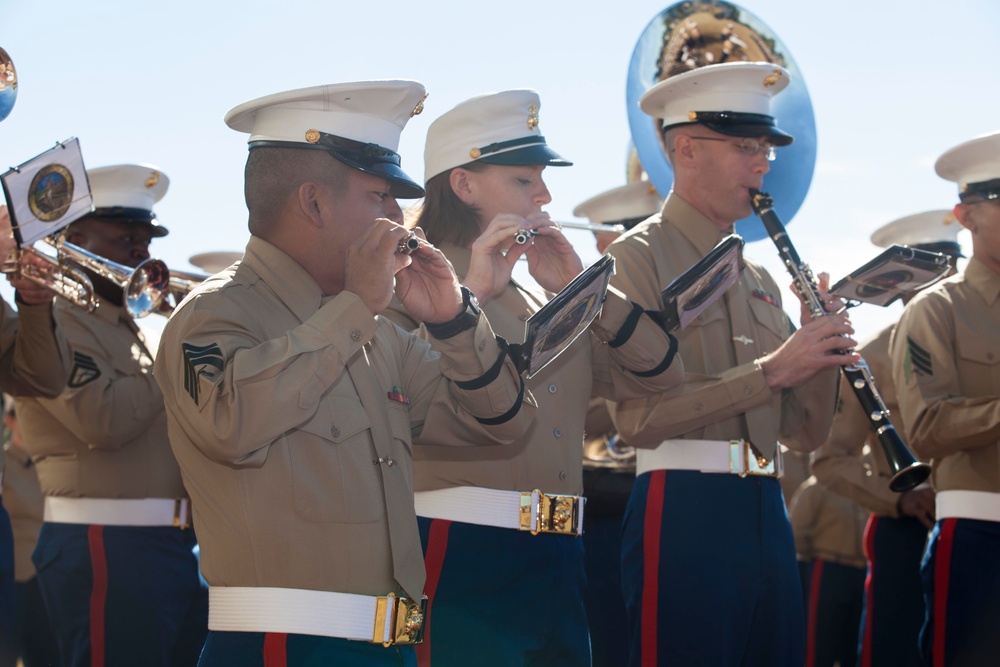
8, 84
791, 173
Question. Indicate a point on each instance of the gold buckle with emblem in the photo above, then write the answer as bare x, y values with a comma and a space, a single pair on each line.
550, 513
182, 513
744, 460
399, 620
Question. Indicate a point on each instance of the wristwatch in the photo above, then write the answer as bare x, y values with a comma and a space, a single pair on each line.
465, 320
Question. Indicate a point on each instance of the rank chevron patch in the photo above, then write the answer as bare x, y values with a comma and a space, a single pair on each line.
84, 370
200, 360
918, 360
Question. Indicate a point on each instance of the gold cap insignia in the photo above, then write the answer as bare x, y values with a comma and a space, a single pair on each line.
692, 115
772, 79
154, 178
532, 117
475, 153
312, 136
420, 106
949, 219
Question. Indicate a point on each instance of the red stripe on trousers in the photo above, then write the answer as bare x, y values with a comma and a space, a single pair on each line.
866, 639
651, 567
815, 584
942, 566
437, 545
275, 649
98, 594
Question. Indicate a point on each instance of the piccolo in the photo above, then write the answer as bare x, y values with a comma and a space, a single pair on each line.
522, 235
409, 243
907, 472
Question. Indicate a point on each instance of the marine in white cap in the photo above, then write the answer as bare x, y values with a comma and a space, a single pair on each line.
116, 523
620, 209
946, 368
708, 560
484, 168
293, 405
898, 525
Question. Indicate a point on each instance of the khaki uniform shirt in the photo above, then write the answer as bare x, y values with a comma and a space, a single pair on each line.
827, 526
34, 354
105, 436
724, 395
293, 416
549, 456
838, 463
947, 375
22, 498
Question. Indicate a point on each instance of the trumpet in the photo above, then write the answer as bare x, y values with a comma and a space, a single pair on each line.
180, 284
143, 288
522, 235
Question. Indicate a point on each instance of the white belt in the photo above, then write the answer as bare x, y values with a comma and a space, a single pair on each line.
531, 511
981, 505
726, 456
386, 620
118, 511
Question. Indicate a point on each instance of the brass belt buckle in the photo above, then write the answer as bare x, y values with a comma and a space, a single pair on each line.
184, 521
550, 513
743, 461
405, 617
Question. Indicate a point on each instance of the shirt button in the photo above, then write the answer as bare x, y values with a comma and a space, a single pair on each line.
552, 389
747, 390
523, 317
562, 474
697, 407
334, 431
557, 432
355, 335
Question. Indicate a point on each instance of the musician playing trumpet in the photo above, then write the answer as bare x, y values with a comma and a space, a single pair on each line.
708, 561
483, 165
117, 524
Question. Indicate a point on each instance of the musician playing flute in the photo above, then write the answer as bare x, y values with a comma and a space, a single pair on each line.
708, 560
500, 595
946, 367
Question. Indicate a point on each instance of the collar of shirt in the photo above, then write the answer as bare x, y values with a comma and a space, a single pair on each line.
290, 282
983, 279
696, 228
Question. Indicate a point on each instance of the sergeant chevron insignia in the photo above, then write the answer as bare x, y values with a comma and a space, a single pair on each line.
201, 360
918, 360
84, 370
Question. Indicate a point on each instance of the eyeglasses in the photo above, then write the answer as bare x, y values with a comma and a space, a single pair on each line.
748, 145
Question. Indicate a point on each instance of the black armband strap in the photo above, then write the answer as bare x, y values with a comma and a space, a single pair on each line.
628, 327
663, 365
507, 416
490, 375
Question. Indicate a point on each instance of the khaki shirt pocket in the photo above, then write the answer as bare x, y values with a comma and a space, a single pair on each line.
771, 318
334, 477
978, 363
399, 423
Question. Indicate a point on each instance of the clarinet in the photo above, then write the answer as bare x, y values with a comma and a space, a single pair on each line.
907, 472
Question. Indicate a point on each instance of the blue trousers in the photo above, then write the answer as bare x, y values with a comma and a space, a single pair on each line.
962, 594
709, 572
502, 597
121, 595
894, 594
8, 651
833, 596
259, 649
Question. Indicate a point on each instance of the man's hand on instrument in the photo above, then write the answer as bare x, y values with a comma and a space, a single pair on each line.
919, 503
494, 254
428, 286
809, 350
372, 261
830, 304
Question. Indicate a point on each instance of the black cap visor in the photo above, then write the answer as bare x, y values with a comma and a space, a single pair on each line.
983, 190
369, 158
739, 124
139, 216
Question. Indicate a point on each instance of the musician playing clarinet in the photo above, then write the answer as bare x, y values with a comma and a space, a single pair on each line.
708, 561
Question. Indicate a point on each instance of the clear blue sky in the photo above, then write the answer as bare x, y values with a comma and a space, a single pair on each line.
892, 85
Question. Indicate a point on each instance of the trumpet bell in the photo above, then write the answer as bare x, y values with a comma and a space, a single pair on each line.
692, 34
146, 287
